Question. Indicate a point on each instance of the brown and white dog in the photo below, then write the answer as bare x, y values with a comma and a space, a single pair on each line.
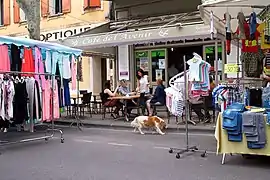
149, 122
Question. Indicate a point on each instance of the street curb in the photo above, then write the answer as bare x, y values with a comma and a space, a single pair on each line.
180, 128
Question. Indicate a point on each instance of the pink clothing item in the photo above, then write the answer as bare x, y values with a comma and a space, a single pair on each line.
55, 97
46, 96
5, 61
39, 67
74, 73
47, 102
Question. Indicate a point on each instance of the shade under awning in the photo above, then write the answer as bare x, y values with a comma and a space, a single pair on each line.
220, 7
158, 34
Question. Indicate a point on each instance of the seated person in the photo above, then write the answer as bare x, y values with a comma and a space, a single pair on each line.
123, 90
159, 97
111, 102
197, 104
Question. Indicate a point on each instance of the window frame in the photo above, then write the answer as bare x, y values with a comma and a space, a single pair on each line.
52, 7
2, 18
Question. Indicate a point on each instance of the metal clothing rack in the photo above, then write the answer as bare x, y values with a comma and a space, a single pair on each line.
77, 120
188, 148
51, 129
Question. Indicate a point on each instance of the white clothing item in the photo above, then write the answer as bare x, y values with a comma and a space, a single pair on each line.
228, 22
2, 112
144, 84
66, 67
10, 95
48, 62
194, 67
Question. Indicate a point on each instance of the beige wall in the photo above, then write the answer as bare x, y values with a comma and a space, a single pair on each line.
77, 17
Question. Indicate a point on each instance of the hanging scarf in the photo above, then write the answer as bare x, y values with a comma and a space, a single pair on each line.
241, 21
228, 18
252, 25
212, 25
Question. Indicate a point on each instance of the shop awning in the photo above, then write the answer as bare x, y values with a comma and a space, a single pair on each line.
178, 32
220, 7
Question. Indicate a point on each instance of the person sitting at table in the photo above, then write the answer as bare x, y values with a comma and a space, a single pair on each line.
159, 97
111, 102
123, 90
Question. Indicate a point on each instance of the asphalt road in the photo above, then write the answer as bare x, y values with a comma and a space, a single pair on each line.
100, 154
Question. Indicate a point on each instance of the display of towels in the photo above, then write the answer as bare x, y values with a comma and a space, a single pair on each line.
254, 129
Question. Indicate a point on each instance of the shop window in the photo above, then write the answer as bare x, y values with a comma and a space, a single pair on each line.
92, 4
158, 64
142, 60
55, 7
1, 12
210, 54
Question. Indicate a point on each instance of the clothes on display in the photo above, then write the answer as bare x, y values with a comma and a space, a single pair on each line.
267, 64
225, 95
238, 122
28, 96
199, 76
174, 101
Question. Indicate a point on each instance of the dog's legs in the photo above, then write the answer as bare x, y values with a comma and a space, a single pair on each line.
135, 129
159, 131
140, 130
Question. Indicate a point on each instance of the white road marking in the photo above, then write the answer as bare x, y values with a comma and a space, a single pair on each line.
117, 144
157, 147
83, 140
175, 133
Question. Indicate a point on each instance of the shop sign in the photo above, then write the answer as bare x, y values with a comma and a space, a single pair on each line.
140, 36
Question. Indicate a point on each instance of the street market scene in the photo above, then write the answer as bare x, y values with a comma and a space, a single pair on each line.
134, 90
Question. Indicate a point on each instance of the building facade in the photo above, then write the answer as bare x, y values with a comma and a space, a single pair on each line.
61, 19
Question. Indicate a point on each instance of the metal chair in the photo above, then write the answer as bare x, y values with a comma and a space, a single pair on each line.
86, 100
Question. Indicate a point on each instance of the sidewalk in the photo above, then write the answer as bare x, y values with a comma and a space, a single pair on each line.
96, 121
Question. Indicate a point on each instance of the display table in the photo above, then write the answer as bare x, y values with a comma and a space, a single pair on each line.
227, 147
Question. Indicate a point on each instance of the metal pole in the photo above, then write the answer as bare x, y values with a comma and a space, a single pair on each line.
224, 60
186, 100
52, 91
216, 62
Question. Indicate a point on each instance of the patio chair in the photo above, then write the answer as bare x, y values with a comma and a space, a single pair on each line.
104, 108
86, 100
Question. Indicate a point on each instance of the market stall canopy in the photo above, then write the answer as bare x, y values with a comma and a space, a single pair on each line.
188, 31
18, 41
233, 7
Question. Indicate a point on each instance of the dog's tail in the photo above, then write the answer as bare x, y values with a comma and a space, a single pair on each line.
134, 123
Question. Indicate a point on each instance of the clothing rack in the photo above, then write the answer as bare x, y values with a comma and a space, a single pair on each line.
51, 129
188, 148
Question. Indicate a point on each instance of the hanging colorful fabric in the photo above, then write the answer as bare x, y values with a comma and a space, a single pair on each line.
227, 18
252, 25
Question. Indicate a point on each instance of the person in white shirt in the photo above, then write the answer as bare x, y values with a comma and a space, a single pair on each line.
142, 87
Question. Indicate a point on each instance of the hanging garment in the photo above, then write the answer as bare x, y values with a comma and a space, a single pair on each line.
46, 97
48, 62
20, 103
67, 101
253, 63
3, 97
60, 93
37, 109
16, 60
227, 17
56, 112
66, 67
252, 25
28, 64
267, 64
9, 95
241, 21
255, 97
56, 59
264, 30
39, 67
5, 61
74, 73
249, 45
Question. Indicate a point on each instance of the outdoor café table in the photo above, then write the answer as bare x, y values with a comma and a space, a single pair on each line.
125, 99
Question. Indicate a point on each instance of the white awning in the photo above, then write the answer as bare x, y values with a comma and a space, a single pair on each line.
140, 36
220, 7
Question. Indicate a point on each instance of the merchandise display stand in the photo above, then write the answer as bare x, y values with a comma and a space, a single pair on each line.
51, 130
77, 120
188, 148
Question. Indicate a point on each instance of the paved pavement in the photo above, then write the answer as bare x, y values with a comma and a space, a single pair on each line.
106, 154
